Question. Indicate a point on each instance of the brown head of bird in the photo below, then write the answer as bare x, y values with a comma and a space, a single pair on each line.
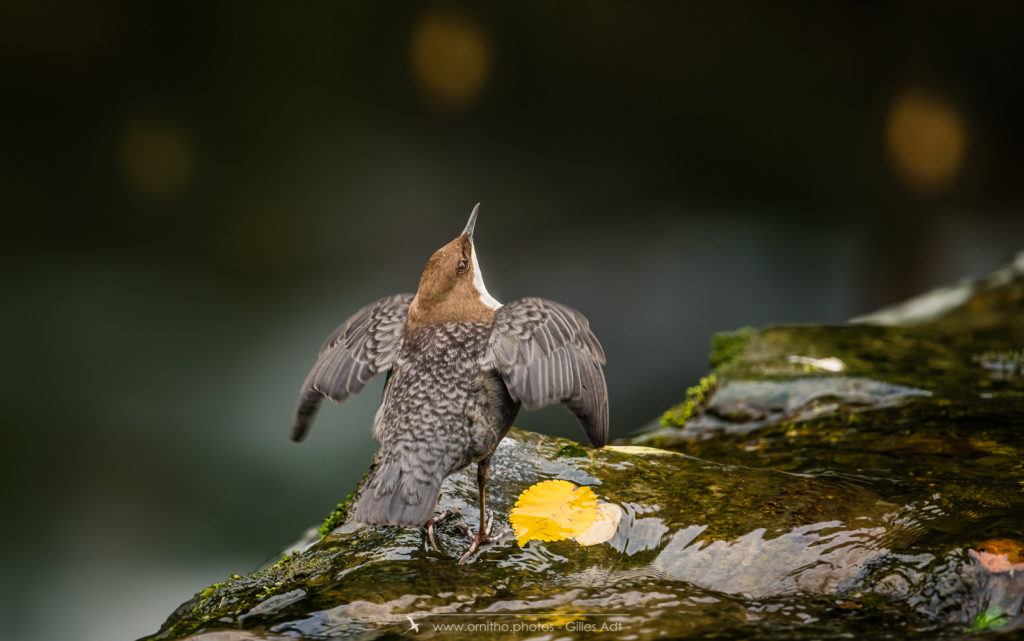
451, 287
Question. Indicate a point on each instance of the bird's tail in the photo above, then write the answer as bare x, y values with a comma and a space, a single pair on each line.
397, 496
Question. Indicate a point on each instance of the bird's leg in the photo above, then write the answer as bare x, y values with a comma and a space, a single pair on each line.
429, 525
483, 534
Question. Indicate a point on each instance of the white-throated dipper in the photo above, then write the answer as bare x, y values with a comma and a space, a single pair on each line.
459, 366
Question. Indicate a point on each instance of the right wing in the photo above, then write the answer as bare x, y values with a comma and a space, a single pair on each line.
546, 353
363, 346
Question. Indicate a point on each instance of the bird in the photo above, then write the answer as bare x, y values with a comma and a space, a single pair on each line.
459, 367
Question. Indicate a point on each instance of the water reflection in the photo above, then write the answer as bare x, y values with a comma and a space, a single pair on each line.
635, 533
815, 559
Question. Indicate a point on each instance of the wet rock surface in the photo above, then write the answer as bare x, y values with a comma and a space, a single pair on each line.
830, 481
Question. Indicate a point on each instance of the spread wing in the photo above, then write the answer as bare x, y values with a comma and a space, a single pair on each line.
363, 346
546, 353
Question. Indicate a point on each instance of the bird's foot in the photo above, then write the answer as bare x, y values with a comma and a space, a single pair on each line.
482, 537
439, 519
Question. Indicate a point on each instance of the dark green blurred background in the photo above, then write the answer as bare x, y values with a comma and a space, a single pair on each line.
193, 196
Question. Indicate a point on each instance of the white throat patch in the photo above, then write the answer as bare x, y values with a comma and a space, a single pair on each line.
481, 289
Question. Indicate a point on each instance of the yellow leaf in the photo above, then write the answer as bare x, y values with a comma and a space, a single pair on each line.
553, 511
604, 526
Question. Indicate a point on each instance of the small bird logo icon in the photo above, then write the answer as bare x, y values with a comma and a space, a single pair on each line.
412, 625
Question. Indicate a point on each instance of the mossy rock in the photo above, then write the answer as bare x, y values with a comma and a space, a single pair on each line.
685, 520
821, 482
926, 411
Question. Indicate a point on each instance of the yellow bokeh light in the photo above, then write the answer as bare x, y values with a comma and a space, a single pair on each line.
156, 158
925, 138
450, 60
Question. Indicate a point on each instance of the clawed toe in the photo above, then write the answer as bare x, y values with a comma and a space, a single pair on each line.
432, 523
465, 528
478, 540
482, 537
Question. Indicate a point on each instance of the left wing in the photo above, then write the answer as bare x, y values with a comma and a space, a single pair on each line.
546, 353
363, 346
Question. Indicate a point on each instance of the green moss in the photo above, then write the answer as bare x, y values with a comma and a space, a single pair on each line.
726, 348
729, 346
242, 592
335, 518
202, 604
571, 451
678, 415
990, 618
209, 590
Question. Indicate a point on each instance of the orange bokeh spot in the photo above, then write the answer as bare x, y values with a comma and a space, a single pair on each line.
155, 158
925, 139
450, 60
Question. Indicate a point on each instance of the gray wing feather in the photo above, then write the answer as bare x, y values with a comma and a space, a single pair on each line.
546, 353
363, 346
